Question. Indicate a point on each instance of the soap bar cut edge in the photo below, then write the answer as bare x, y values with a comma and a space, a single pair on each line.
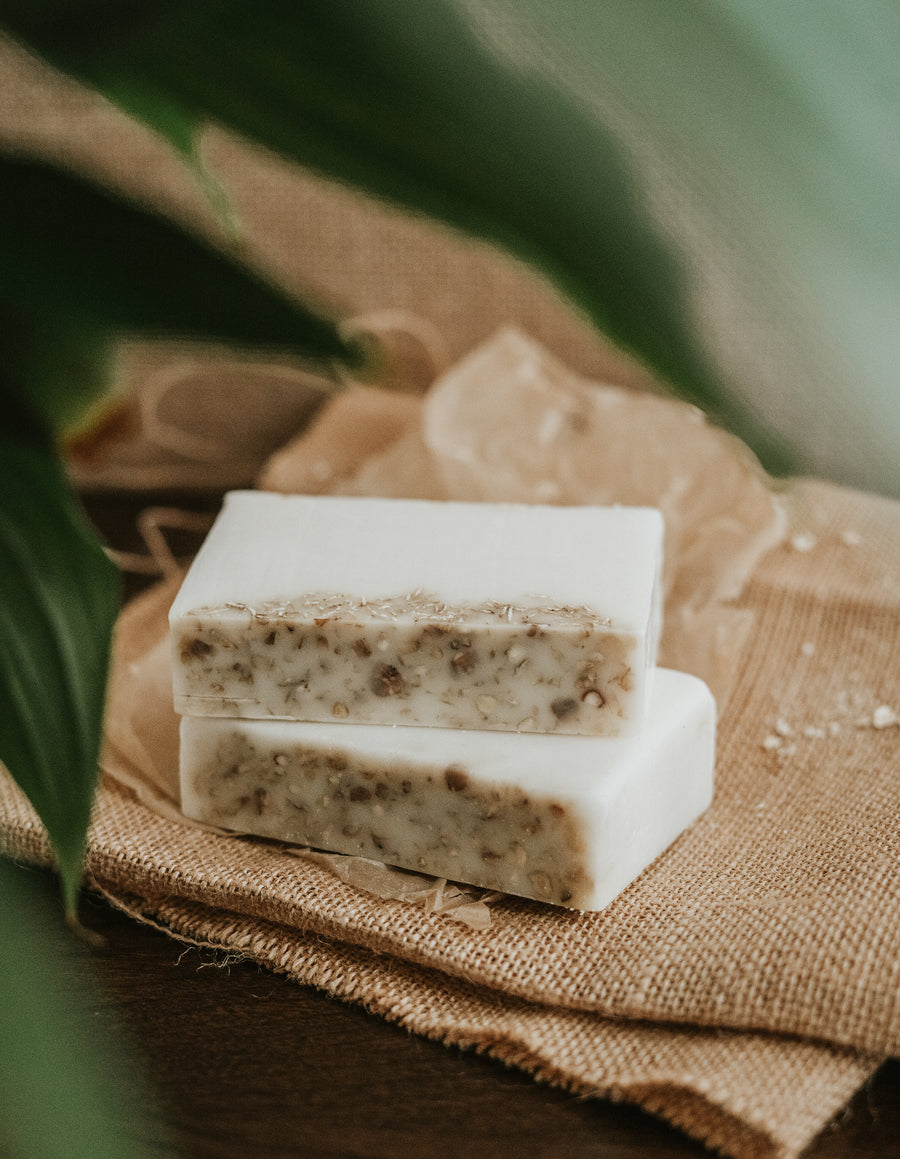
410, 658
566, 820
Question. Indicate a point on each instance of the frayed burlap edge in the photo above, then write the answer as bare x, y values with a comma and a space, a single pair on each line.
749, 1096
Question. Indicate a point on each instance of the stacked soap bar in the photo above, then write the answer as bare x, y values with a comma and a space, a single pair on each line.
565, 819
462, 689
453, 615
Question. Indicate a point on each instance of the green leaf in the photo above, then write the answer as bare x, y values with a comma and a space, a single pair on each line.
55, 374
59, 596
714, 181
413, 103
81, 268
68, 1091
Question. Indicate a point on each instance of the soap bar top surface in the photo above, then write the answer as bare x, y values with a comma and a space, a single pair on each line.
268, 549
463, 615
569, 820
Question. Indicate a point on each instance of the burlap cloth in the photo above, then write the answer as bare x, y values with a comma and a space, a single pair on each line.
749, 982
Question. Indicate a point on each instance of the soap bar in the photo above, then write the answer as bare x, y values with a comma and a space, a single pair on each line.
391, 611
562, 819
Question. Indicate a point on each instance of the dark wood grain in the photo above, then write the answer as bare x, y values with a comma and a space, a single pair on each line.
244, 1064
240, 1063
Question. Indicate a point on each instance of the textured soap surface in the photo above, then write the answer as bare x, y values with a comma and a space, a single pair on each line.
562, 819
456, 615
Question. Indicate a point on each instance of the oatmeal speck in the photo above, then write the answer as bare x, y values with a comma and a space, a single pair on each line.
884, 716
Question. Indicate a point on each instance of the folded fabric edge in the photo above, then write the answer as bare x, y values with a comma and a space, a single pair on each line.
153, 878
23, 838
458, 1013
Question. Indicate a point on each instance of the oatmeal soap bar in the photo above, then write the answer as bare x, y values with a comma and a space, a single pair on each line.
569, 820
390, 611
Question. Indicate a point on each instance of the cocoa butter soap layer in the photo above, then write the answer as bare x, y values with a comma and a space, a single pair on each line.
562, 819
391, 611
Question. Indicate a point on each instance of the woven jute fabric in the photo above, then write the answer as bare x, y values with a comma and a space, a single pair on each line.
778, 911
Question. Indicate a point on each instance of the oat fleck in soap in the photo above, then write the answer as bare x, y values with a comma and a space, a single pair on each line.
562, 819
507, 617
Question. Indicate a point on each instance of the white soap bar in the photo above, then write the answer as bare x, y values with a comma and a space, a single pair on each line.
563, 819
390, 611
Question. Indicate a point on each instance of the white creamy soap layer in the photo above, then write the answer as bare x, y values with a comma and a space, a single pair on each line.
388, 611
563, 819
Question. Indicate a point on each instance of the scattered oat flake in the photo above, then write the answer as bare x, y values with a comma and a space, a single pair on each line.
884, 716
772, 742
814, 732
782, 727
808, 648
464, 903
803, 541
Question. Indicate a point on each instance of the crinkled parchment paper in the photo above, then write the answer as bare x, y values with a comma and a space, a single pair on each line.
507, 423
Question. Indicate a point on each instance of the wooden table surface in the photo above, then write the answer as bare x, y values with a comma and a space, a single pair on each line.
245, 1064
